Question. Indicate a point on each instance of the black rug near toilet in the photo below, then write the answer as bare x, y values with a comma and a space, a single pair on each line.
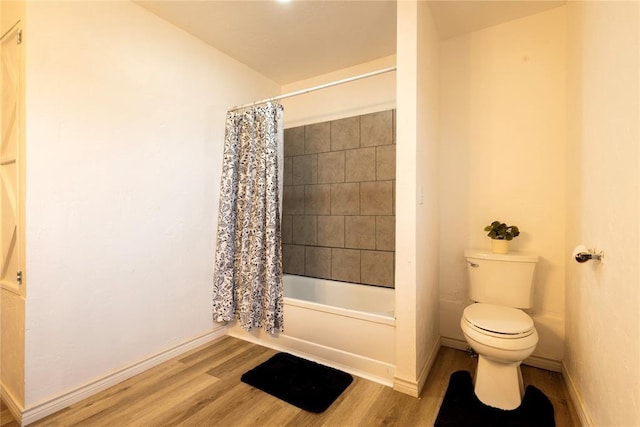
461, 407
302, 383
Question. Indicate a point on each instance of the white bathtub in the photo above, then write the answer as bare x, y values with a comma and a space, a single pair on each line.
344, 325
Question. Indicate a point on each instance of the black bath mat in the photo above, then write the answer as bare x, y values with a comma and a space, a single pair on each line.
461, 407
302, 383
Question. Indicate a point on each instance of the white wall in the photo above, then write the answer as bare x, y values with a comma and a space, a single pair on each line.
427, 192
416, 196
503, 158
125, 124
351, 99
602, 359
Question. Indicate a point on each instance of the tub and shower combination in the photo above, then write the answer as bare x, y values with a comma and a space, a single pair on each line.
345, 325
336, 322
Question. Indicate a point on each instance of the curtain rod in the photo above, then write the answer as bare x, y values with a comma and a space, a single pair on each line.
314, 88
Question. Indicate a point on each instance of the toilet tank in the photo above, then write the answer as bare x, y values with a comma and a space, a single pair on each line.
501, 279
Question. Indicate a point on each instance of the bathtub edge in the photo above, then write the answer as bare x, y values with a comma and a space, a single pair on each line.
361, 366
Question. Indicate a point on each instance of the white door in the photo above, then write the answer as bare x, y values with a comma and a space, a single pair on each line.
10, 195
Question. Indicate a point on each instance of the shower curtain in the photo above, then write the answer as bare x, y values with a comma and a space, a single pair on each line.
248, 260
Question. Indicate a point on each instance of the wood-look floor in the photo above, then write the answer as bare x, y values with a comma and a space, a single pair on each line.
203, 388
6, 419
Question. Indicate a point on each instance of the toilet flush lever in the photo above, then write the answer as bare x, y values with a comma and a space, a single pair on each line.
473, 264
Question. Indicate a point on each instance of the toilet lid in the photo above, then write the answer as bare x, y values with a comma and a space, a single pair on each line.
498, 319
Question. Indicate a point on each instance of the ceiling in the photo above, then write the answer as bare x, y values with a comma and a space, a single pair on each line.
304, 38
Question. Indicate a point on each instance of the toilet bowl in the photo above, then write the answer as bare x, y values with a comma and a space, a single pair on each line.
503, 337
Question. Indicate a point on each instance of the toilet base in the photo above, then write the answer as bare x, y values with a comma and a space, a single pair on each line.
499, 384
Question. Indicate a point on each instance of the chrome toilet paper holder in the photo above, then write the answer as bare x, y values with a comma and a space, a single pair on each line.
583, 255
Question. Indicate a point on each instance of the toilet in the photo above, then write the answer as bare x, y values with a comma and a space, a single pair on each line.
495, 325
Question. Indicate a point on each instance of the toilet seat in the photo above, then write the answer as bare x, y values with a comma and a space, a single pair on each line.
498, 321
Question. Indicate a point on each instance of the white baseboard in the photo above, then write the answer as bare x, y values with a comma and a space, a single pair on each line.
454, 343
544, 363
535, 361
578, 404
14, 407
414, 388
406, 387
48, 407
428, 364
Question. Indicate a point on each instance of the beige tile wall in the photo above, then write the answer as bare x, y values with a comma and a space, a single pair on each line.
339, 199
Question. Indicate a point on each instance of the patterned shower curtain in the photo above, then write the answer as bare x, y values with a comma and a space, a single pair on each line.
248, 261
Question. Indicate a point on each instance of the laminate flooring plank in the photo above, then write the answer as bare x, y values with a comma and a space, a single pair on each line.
138, 413
6, 417
8, 421
205, 365
393, 408
187, 408
241, 362
240, 405
268, 413
227, 375
203, 388
553, 386
113, 398
220, 343
222, 347
118, 401
127, 393
448, 360
222, 356
233, 391
356, 400
235, 401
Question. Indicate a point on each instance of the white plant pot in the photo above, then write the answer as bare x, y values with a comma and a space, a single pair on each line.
499, 246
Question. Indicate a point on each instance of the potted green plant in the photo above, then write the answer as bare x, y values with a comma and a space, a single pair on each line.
501, 234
